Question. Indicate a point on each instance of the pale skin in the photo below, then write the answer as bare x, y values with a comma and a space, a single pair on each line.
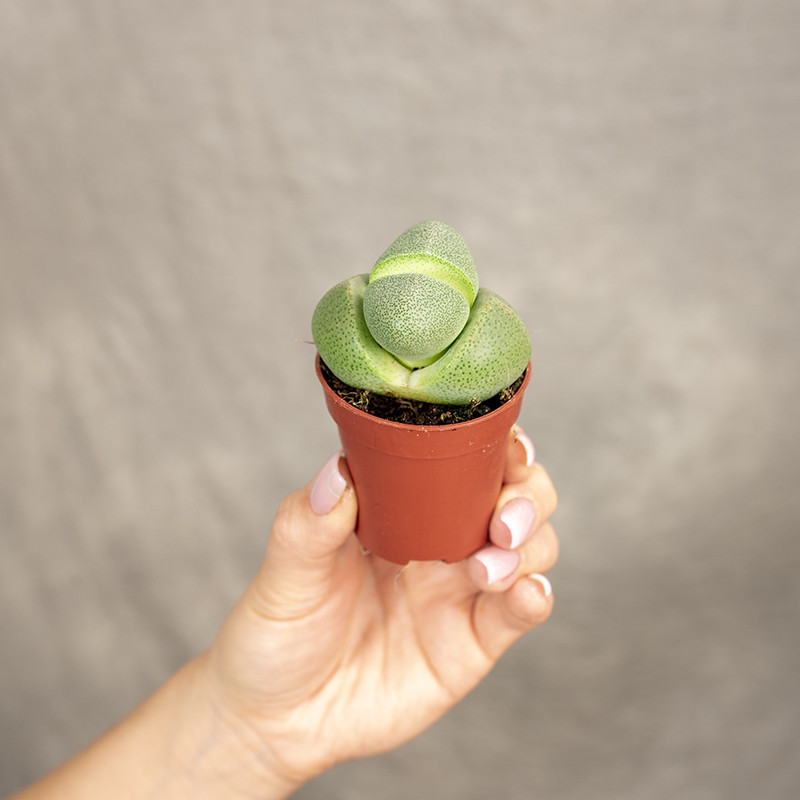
331, 654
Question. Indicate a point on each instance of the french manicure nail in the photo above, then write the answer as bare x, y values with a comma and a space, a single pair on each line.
328, 487
527, 444
543, 582
518, 516
499, 564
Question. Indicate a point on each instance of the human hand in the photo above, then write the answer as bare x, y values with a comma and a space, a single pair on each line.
334, 654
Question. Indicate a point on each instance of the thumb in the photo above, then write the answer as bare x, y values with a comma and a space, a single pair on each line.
310, 528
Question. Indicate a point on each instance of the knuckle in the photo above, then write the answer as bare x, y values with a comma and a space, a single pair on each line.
544, 491
286, 525
544, 549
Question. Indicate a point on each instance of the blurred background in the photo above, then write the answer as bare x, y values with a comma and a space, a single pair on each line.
179, 184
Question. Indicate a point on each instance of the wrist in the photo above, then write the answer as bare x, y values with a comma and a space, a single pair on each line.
172, 747
214, 754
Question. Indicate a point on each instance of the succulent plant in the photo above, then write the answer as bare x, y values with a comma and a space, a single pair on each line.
419, 327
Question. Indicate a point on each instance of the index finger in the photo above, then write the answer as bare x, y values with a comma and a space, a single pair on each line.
520, 455
527, 499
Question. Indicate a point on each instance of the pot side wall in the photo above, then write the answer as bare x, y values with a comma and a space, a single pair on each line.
424, 493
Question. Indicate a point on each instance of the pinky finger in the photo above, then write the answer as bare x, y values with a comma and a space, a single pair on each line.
501, 619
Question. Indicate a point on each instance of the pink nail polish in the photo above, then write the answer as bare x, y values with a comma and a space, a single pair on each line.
328, 487
518, 516
527, 444
543, 582
499, 564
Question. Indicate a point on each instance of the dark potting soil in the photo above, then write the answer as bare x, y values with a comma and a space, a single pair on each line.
415, 412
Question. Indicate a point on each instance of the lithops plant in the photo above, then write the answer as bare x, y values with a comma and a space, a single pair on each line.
418, 326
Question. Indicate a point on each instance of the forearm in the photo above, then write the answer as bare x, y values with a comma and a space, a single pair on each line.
173, 746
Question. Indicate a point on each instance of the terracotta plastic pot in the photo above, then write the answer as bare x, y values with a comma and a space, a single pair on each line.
424, 492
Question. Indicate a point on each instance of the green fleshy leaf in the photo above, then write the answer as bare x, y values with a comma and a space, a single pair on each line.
491, 353
346, 345
434, 249
417, 299
414, 317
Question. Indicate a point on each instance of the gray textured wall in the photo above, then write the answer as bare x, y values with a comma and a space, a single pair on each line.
181, 181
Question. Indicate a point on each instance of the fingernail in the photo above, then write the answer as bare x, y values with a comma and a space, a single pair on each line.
518, 516
328, 487
527, 444
499, 564
543, 582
